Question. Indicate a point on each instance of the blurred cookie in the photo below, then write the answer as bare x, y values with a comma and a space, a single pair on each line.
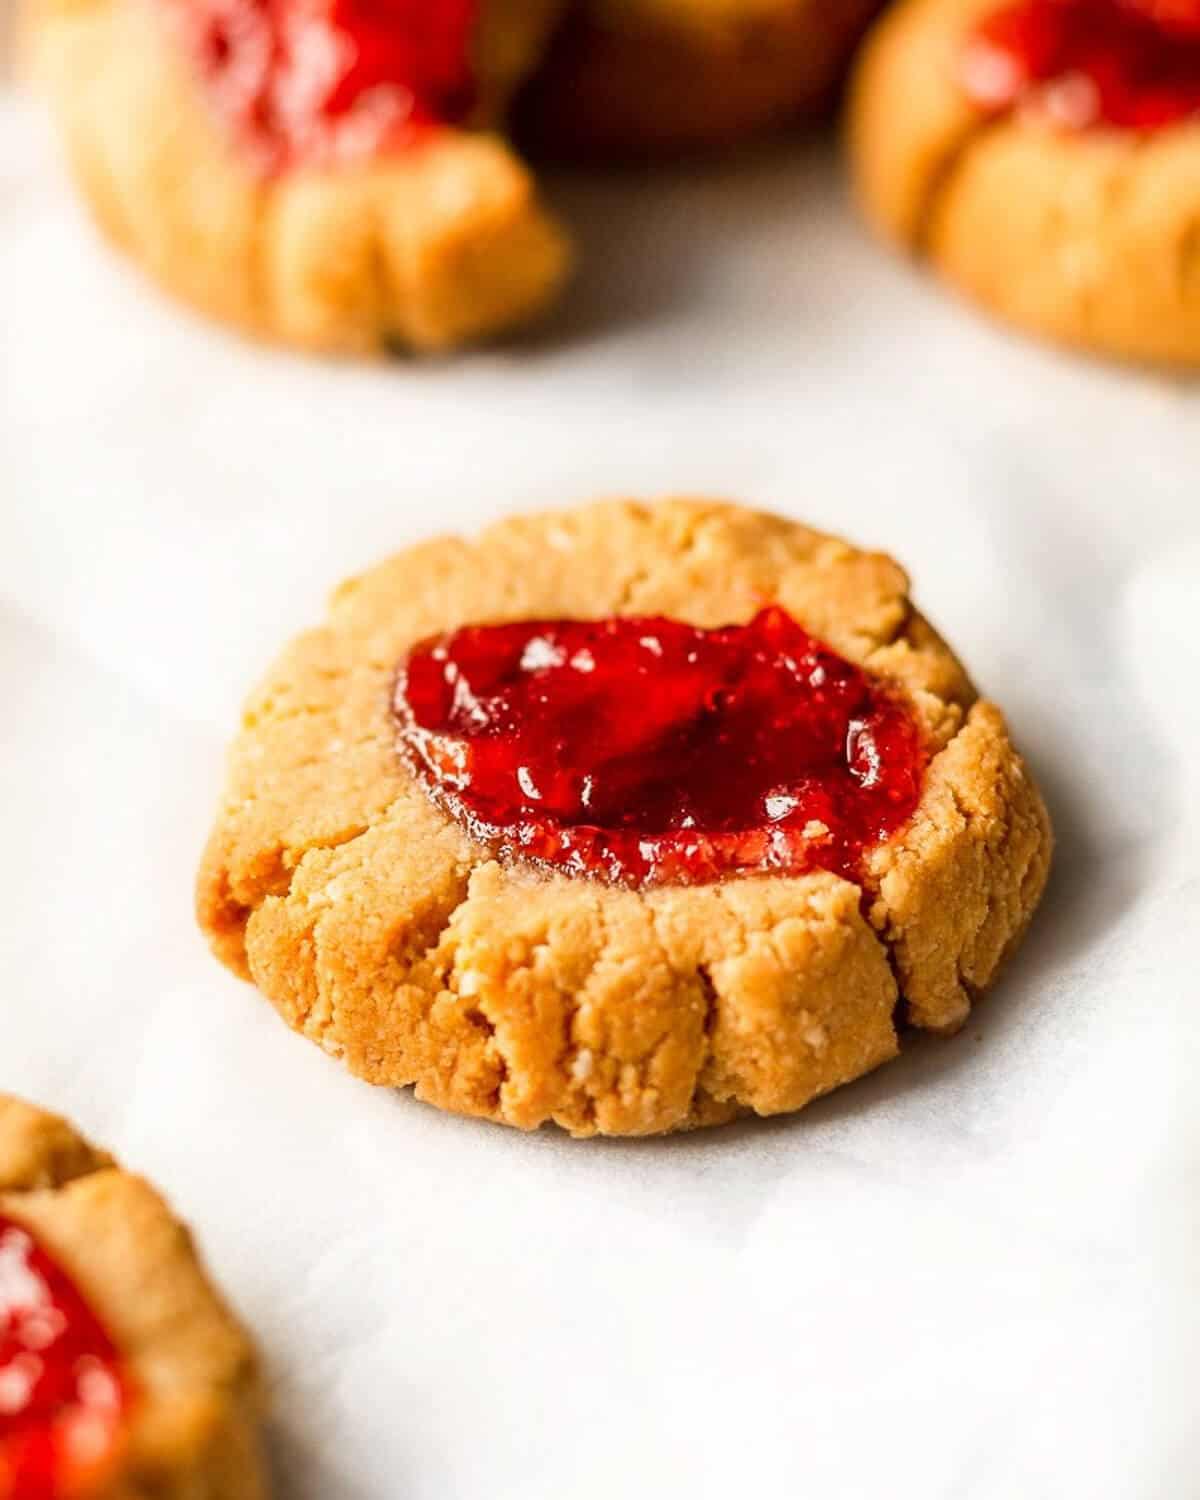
122, 1372
633, 78
632, 818
1044, 157
306, 172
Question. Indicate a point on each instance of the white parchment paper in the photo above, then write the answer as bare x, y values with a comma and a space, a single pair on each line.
972, 1275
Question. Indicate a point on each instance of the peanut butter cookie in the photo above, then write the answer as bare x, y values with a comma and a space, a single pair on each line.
632, 818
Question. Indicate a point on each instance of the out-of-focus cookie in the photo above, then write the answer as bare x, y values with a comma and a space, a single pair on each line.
1044, 157
636, 78
632, 818
308, 172
122, 1373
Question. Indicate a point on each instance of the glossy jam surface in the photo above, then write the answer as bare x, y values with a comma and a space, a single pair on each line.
321, 82
645, 751
62, 1395
1082, 64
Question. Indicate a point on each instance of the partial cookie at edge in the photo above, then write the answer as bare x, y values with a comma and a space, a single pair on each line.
1091, 239
194, 1420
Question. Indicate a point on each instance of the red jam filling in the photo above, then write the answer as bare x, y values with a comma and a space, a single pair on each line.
1080, 64
328, 81
62, 1397
645, 751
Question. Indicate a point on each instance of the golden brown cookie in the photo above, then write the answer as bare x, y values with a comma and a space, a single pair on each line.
1066, 224
407, 939
344, 227
122, 1373
634, 78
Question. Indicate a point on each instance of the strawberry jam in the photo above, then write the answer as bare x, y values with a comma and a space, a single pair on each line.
1080, 64
62, 1396
645, 751
326, 81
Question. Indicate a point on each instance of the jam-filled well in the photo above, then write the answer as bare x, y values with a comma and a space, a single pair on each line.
644, 750
322, 82
1082, 64
62, 1393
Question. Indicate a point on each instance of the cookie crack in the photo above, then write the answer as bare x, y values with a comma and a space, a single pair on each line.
885, 930
319, 846
574, 1001
709, 991
56, 1182
941, 179
678, 556
239, 909
487, 1027
711, 998
418, 947
54, 1163
630, 587
900, 631
1187, 259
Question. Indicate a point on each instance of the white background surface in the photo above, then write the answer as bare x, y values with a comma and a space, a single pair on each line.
972, 1275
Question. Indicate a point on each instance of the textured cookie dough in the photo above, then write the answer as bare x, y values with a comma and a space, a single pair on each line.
381, 931
630, 78
193, 1425
1089, 238
427, 248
